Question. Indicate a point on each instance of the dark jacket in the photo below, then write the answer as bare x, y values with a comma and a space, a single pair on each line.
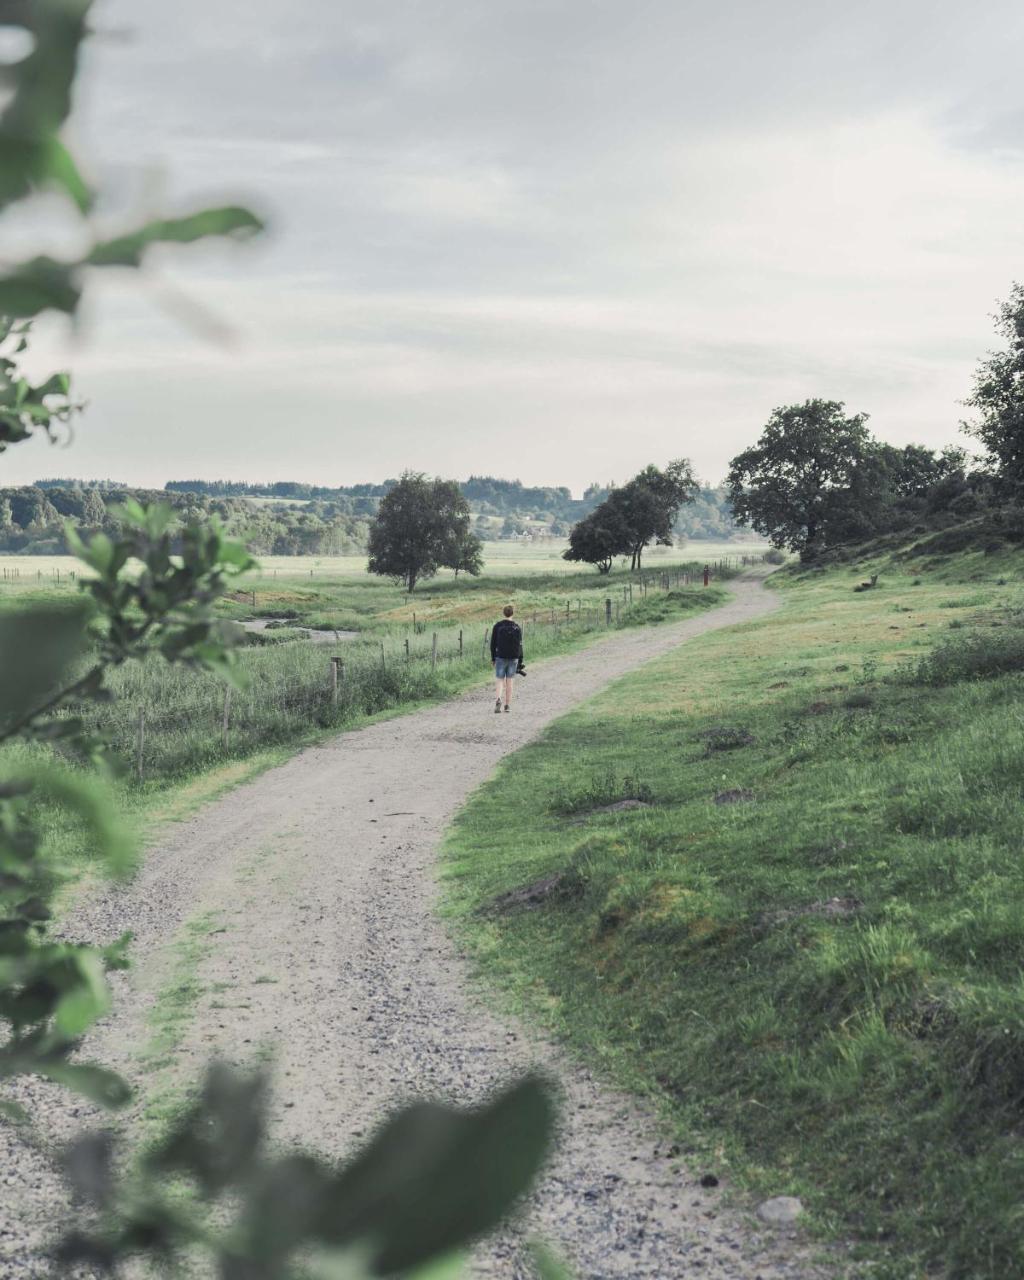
506, 640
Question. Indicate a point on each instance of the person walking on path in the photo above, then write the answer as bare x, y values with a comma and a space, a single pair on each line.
506, 655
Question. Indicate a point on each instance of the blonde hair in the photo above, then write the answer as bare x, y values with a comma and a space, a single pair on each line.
507, 611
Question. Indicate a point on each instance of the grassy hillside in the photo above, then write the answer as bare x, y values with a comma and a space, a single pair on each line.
806, 937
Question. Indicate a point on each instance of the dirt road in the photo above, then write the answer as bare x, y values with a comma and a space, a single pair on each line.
297, 911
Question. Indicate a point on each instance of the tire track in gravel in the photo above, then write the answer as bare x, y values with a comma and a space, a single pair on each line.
299, 911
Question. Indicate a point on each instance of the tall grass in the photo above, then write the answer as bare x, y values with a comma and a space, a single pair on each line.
178, 714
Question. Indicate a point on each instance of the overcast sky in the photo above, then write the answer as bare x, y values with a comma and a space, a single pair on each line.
552, 239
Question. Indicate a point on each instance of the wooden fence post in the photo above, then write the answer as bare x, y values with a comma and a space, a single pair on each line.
140, 744
335, 664
226, 721
254, 599
484, 650
407, 648
616, 613
460, 643
383, 662
433, 652
608, 612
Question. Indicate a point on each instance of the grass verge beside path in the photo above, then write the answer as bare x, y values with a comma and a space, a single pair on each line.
802, 928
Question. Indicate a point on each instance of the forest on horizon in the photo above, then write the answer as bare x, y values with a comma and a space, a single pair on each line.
293, 518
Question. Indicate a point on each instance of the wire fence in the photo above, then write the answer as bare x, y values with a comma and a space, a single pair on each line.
170, 720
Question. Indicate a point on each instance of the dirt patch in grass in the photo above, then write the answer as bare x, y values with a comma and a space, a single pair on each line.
620, 806
738, 795
725, 737
831, 908
559, 886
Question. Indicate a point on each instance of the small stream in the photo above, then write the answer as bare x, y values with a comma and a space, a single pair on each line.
292, 629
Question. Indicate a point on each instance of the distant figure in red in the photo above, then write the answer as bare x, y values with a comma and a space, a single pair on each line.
707, 574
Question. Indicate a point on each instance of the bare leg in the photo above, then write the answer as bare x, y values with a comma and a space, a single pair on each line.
508, 691
499, 683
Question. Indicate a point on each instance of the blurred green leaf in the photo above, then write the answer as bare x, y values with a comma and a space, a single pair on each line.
88, 1166
57, 167
132, 512
236, 555
450, 1268
547, 1265
41, 284
283, 1206
88, 1000
31, 156
96, 1083
89, 798
434, 1177
128, 250
217, 1141
13, 1112
38, 648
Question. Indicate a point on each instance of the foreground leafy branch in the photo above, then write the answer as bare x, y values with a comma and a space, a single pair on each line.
34, 157
149, 592
431, 1180
434, 1178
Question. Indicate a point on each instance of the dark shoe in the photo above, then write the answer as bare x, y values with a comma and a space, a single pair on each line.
506, 706
497, 707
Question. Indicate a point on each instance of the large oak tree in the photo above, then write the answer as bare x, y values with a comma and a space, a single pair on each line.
421, 526
803, 476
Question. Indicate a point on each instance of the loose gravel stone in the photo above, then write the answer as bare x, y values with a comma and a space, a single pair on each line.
780, 1211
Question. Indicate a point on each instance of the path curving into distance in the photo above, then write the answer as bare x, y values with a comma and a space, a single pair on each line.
300, 908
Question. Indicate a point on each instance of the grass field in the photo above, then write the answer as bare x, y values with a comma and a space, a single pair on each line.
516, 559
807, 942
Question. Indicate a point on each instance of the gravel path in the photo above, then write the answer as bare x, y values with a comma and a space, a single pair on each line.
300, 905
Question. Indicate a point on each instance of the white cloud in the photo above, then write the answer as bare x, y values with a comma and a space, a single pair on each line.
578, 236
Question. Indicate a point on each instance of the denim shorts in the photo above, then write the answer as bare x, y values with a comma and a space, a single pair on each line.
505, 667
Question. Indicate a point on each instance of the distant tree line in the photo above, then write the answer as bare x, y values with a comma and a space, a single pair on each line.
296, 519
817, 479
32, 519
501, 508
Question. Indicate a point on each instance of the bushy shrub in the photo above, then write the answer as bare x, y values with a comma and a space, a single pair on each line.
976, 656
775, 556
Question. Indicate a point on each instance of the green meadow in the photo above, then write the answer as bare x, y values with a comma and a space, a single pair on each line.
804, 934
